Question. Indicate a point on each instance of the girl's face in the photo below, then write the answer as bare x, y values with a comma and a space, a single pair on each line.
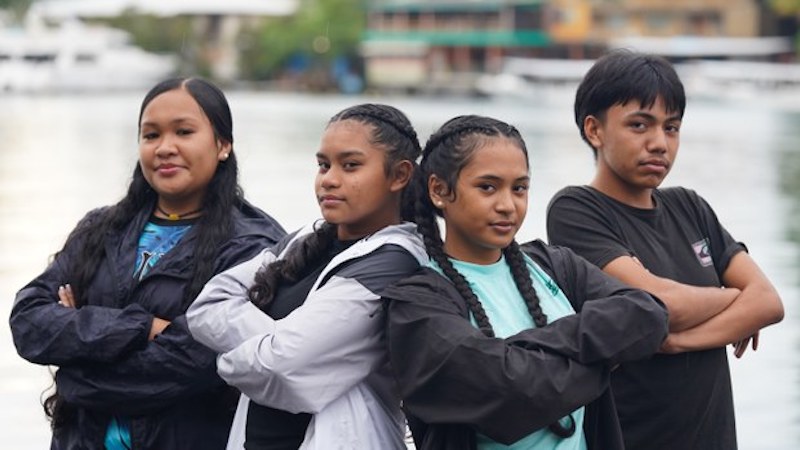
352, 186
178, 151
489, 205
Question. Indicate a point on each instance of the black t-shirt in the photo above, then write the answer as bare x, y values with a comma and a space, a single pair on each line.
681, 401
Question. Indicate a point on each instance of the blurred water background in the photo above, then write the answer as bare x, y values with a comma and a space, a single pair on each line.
62, 155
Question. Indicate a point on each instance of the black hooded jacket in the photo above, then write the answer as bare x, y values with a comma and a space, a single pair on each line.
455, 381
168, 387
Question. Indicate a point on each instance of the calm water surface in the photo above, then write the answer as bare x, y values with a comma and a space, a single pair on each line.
64, 155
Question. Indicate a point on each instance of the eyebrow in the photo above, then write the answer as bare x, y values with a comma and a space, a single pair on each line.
342, 155
491, 177
648, 116
152, 123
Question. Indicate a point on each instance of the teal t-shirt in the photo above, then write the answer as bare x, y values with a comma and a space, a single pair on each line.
158, 237
494, 286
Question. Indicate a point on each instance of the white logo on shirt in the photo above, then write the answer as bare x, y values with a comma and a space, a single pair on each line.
702, 252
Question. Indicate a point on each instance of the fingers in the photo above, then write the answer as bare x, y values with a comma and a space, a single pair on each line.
65, 296
741, 347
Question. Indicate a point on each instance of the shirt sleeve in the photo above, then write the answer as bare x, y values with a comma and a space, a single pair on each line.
722, 245
324, 347
577, 220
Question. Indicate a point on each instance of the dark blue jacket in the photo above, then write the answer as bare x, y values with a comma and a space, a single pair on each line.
169, 386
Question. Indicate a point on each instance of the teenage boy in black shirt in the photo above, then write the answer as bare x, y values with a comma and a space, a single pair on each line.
669, 242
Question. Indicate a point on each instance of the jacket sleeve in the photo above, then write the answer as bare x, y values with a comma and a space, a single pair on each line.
323, 348
46, 332
223, 317
170, 367
449, 372
615, 323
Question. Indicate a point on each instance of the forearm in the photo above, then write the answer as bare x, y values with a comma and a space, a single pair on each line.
752, 310
690, 306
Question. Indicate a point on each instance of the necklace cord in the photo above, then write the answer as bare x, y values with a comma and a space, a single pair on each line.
175, 216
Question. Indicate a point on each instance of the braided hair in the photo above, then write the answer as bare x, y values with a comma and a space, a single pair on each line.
448, 151
392, 132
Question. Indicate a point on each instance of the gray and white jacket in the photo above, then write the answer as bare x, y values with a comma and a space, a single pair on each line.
328, 357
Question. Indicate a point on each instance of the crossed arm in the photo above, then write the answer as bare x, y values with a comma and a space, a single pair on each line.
709, 317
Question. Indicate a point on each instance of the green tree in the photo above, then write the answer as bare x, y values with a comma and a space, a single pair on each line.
320, 31
16, 7
785, 7
164, 35
788, 8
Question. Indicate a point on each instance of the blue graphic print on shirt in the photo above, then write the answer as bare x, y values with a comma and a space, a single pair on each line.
156, 240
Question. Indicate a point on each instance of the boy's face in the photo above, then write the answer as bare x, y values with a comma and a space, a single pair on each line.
636, 147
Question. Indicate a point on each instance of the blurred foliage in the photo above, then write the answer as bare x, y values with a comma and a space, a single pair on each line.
164, 35
785, 7
320, 31
16, 7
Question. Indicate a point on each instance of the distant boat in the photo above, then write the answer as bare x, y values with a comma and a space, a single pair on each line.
536, 79
769, 83
74, 57
554, 81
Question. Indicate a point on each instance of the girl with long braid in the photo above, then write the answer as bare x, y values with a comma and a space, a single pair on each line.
495, 346
299, 328
109, 311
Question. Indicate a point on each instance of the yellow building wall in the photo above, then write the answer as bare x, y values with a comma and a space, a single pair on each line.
728, 18
569, 20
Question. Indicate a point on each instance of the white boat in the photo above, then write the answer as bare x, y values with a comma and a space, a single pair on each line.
550, 81
74, 57
554, 81
768, 83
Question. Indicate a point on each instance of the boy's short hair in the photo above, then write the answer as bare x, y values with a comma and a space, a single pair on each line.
621, 76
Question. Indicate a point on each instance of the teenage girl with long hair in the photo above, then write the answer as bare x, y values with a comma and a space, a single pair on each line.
109, 311
495, 346
299, 328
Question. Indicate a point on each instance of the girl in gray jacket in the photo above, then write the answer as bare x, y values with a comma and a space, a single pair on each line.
299, 328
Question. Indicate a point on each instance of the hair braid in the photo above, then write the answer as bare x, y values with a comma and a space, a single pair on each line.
292, 267
522, 278
425, 218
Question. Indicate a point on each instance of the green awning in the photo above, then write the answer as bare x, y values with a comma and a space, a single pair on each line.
472, 38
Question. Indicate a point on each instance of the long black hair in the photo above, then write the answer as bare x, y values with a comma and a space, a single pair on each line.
213, 228
391, 131
447, 152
